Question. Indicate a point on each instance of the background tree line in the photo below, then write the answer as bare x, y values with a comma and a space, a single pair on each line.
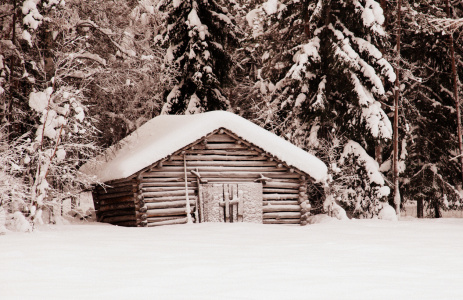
321, 73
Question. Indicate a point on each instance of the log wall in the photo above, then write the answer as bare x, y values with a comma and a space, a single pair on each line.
220, 157
118, 203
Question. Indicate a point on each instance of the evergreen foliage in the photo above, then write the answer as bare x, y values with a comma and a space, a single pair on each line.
200, 36
330, 70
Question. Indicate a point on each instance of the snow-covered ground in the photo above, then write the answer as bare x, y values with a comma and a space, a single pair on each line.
355, 259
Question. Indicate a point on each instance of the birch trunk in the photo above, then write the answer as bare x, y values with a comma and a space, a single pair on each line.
397, 198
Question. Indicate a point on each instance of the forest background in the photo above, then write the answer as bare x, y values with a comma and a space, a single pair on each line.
370, 87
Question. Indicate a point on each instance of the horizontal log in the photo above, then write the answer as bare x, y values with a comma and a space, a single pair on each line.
229, 180
159, 184
115, 195
159, 219
230, 152
280, 191
280, 196
168, 204
165, 212
215, 148
282, 215
226, 174
168, 222
119, 212
114, 213
142, 209
149, 180
119, 181
120, 218
166, 188
143, 223
222, 163
281, 208
282, 185
126, 223
167, 193
116, 200
281, 221
164, 199
220, 138
280, 202
108, 190
225, 156
219, 146
205, 168
117, 206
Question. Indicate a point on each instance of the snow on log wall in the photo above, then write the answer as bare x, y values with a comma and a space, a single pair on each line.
157, 196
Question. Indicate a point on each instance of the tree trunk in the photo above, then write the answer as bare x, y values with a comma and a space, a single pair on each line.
455, 91
384, 6
437, 212
397, 199
379, 147
419, 208
305, 13
9, 106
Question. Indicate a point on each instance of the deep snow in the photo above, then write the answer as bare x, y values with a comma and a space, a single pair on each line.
355, 259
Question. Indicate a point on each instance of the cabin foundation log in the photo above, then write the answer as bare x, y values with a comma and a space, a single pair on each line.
282, 215
169, 222
131, 217
280, 202
165, 218
281, 208
281, 221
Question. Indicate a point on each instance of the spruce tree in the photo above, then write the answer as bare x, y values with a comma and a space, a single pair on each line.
328, 73
336, 77
199, 37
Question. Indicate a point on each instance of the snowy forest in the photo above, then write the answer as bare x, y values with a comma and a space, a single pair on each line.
370, 87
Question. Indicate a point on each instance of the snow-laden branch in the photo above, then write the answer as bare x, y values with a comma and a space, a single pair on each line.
450, 25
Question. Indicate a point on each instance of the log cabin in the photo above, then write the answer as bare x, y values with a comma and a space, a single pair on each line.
209, 167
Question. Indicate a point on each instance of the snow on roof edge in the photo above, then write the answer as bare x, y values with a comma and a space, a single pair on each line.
166, 134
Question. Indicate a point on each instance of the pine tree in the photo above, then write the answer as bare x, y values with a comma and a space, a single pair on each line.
200, 36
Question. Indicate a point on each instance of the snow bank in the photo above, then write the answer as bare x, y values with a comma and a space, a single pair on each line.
387, 213
357, 259
165, 134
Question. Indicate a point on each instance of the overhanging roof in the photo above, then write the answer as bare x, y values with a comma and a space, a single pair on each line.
166, 134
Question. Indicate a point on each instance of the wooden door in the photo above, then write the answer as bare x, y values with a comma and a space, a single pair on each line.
231, 202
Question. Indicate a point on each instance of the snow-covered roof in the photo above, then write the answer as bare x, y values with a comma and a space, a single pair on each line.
166, 134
